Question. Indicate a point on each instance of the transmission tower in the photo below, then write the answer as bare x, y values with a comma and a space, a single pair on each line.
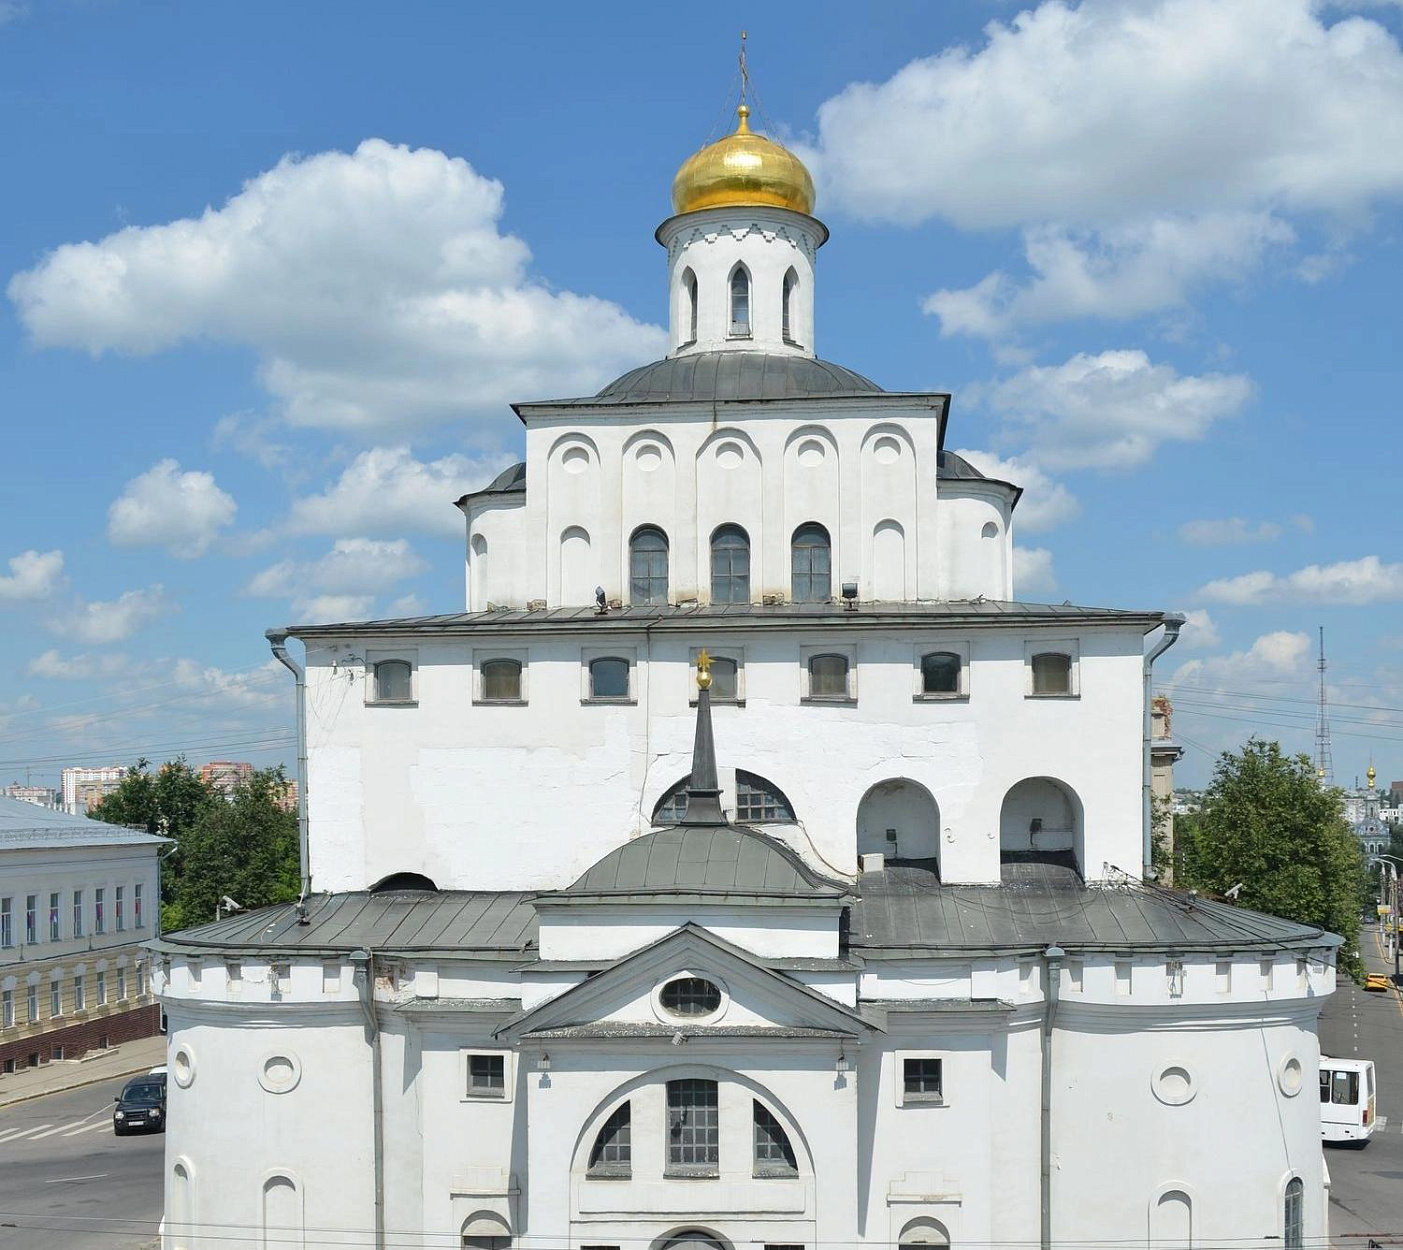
1324, 762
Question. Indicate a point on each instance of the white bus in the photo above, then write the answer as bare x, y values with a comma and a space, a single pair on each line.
1346, 1100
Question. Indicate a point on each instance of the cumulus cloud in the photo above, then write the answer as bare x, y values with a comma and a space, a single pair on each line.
114, 620
1112, 410
387, 491
1044, 505
1350, 583
342, 584
375, 286
1228, 531
1200, 631
164, 507
1278, 654
321, 609
75, 667
1032, 572
33, 575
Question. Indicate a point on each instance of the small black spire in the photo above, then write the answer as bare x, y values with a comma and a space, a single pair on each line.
703, 791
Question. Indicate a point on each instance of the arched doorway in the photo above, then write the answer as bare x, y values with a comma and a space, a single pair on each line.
899, 818
1041, 821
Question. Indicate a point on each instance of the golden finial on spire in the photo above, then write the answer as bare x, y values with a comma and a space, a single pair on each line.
1371, 774
703, 670
744, 72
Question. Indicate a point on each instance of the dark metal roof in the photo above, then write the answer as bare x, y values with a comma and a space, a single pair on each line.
905, 909
510, 481
606, 1029
952, 467
727, 860
450, 921
692, 616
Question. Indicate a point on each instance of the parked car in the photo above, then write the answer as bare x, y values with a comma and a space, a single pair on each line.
141, 1106
1377, 981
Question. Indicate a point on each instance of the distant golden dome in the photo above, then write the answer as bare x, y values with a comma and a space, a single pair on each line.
743, 169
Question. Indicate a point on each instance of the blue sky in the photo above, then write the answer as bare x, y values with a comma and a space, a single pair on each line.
272, 273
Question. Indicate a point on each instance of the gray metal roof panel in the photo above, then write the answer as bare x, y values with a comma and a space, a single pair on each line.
27, 826
510, 481
723, 375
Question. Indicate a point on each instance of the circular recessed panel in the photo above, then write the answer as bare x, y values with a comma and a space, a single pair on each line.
279, 1073
648, 457
811, 453
182, 1066
575, 460
1174, 1085
887, 449
1290, 1076
730, 455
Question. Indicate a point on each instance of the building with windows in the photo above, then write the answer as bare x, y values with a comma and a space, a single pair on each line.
40, 796
77, 899
86, 787
745, 866
1370, 825
225, 776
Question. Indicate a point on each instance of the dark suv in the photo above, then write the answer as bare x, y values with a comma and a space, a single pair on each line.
141, 1106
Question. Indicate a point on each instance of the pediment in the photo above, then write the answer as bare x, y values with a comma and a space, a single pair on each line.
626, 1000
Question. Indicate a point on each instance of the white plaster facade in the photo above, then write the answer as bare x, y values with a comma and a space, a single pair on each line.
930, 968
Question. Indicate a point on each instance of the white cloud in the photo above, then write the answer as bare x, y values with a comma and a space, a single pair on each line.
76, 667
321, 609
1346, 583
1045, 504
387, 491
112, 621
1032, 572
255, 437
375, 287
1228, 531
265, 688
1278, 654
33, 575
163, 507
408, 605
1113, 410
1200, 632
342, 584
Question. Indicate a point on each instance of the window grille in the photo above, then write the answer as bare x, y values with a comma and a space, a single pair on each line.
693, 1125
613, 1147
811, 576
690, 996
921, 1079
730, 565
1295, 1214
758, 802
773, 1153
647, 566
487, 1076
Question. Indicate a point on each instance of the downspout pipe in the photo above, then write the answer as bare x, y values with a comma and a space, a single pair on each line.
277, 639
1173, 623
364, 961
1052, 988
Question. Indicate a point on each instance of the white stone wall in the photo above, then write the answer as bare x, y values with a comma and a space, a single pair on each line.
436, 787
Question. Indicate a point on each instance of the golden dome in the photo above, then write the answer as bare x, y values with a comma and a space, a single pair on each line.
743, 169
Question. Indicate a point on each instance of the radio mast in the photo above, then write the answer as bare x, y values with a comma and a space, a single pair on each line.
1324, 762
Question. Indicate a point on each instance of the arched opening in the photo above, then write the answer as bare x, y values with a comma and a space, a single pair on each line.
888, 576
576, 571
740, 302
282, 1212
1171, 1221
404, 881
612, 1152
1041, 822
925, 1233
990, 530
730, 565
757, 802
477, 569
1293, 1214
693, 1239
486, 1230
394, 681
179, 1215
791, 280
608, 678
811, 564
899, 818
647, 565
774, 1156
689, 306
501, 681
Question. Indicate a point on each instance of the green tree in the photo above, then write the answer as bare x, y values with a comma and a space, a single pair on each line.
1266, 822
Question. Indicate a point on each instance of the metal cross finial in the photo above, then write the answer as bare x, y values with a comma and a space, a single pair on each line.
703, 670
744, 73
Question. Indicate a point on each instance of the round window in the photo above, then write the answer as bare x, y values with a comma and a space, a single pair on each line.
690, 996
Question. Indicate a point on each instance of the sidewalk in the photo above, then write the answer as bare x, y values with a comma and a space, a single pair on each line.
97, 1065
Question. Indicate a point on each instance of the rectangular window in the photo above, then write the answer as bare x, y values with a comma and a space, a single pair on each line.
121, 983
1051, 666
54, 927
31, 1003
487, 1076
828, 677
693, 1125
921, 1080
55, 999
7, 1009
136, 904
77, 913
80, 994
118, 909
7, 922
390, 681
31, 919
99, 911
102, 989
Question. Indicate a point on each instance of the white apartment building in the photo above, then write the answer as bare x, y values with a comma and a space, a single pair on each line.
84, 787
746, 866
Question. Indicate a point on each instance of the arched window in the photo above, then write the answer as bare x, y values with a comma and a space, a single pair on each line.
791, 280
486, 1231
730, 565
608, 678
774, 1156
689, 291
740, 303
758, 802
1294, 1214
393, 682
811, 565
501, 681
1052, 673
828, 677
647, 565
612, 1153
940, 673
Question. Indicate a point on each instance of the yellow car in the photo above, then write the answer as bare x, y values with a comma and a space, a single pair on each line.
1377, 981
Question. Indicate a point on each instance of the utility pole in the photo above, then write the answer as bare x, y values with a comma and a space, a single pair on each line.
1324, 763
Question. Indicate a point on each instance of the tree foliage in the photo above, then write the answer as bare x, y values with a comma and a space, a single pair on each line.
243, 846
1267, 823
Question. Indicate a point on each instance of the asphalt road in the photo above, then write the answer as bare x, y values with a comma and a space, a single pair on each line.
66, 1183
1366, 1195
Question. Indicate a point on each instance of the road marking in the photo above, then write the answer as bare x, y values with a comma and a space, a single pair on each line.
24, 1132
1381, 1122
61, 1128
87, 1128
66, 1180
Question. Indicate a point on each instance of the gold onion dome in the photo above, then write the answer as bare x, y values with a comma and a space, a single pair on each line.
743, 169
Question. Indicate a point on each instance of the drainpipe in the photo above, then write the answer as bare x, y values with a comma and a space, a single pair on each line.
1052, 965
277, 639
1172, 625
364, 962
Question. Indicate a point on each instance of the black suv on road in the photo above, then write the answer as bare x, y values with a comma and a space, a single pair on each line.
141, 1106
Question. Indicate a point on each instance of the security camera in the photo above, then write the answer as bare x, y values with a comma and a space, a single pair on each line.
229, 905
1234, 892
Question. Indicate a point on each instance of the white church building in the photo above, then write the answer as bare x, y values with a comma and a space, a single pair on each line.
745, 868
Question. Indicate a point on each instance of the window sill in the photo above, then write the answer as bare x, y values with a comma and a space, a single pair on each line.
922, 1100
499, 703
478, 1096
940, 698
609, 1174
392, 703
775, 1174
739, 334
609, 702
828, 701
1034, 695
691, 1174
